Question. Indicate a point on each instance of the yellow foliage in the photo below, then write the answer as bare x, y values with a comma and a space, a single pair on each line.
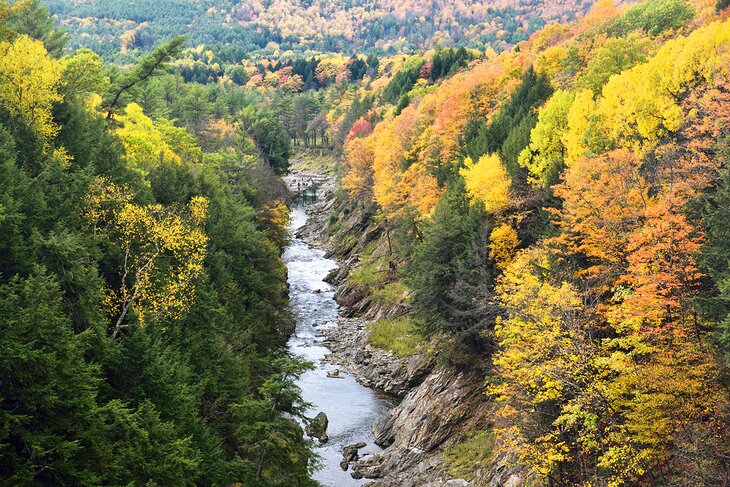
147, 143
357, 179
578, 122
487, 181
503, 243
541, 360
198, 206
550, 61
602, 11
144, 143
640, 105
29, 82
476, 93
421, 188
391, 140
164, 250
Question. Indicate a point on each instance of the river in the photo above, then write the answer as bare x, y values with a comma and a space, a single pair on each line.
350, 407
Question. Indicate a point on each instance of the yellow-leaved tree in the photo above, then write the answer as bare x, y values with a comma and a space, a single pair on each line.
487, 181
503, 243
29, 82
147, 142
163, 250
544, 363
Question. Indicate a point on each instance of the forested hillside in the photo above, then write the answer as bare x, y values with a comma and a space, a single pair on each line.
237, 30
536, 194
556, 217
143, 315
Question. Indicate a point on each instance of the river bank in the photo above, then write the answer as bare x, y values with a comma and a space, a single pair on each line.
349, 407
437, 406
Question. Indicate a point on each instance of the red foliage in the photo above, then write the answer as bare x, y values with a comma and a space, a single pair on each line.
361, 128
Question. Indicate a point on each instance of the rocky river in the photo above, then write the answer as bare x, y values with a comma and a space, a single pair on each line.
407, 410
351, 408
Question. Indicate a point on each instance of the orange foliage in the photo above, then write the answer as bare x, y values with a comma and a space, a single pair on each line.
662, 271
475, 94
357, 179
604, 198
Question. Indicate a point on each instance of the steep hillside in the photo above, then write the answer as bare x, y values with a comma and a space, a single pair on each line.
552, 217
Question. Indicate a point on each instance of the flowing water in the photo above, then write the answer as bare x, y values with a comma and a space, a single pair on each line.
350, 407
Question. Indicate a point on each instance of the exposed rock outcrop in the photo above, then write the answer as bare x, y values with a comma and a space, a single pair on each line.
317, 427
435, 413
372, 366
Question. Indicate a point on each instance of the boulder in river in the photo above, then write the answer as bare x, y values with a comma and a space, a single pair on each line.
317, 427
350, 454
334, 373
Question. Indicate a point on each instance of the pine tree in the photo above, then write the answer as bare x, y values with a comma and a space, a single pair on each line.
450, 274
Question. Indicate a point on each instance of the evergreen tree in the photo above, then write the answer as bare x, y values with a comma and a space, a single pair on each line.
34, 20
450, 274
714, 303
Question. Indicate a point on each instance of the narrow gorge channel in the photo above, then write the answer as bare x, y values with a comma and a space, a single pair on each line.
350, 407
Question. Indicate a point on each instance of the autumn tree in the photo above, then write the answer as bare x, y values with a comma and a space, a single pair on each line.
358, 167
613, 57
544, 366
29, 83
503, 243
163, 250
487, 182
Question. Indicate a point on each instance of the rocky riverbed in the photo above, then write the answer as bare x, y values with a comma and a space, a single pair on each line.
437, 405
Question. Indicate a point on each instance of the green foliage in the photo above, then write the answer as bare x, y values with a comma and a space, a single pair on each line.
403, 81
450, 275
393, 292
616, 55
148, 66
271, 140
654, 17
471, 455
446, 61
544, 157
204, 398
509, 132
33, 20
48, 390
371, 271
714, 207
398, 335
83, 74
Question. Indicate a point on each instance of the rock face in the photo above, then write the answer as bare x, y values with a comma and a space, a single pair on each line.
317, 427
372, 366
432, 415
